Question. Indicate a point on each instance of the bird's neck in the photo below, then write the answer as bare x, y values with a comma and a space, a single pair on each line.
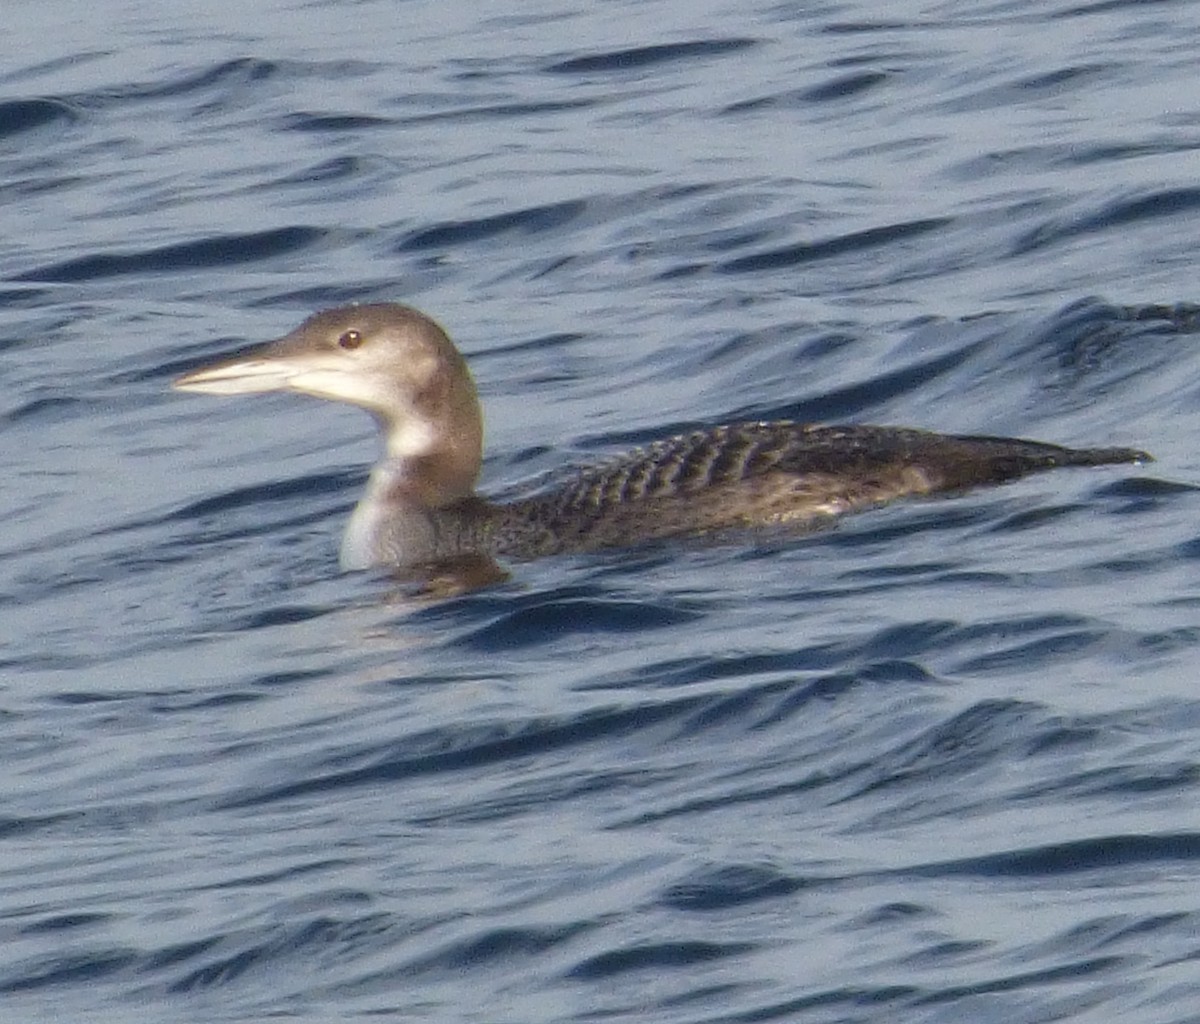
433, 440
434, 445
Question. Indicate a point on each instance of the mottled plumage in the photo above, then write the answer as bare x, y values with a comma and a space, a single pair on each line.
764, 474
421, 507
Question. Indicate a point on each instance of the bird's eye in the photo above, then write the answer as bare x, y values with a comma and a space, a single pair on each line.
350, 339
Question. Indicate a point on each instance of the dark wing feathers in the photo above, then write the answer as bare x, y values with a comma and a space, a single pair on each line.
758, 474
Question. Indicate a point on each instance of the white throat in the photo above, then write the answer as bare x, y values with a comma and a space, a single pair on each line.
410, 437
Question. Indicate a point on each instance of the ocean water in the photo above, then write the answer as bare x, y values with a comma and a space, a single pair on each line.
939, 764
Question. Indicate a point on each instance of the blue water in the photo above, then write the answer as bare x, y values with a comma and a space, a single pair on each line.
939, 764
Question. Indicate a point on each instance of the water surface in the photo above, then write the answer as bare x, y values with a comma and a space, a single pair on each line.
939, 764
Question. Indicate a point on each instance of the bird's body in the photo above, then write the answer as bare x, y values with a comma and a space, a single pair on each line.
421, 508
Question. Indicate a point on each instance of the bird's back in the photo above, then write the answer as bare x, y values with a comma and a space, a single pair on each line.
763, 474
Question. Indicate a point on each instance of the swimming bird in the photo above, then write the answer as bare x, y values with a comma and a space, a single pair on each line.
421, 508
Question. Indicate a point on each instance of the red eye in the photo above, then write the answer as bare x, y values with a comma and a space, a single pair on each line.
350, 339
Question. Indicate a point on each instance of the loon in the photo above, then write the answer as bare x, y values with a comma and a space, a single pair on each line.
421, 509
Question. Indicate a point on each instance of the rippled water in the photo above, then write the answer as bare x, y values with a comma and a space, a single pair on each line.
940, 764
